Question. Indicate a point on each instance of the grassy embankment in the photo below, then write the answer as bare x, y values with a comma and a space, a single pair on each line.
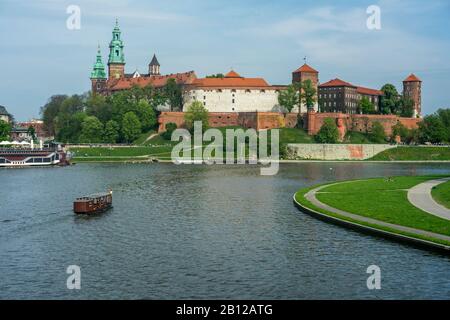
145, 149
441, 194
414, 154
380, 199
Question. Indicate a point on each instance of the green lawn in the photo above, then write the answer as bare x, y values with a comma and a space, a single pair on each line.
414, 154
441, 194
385, 200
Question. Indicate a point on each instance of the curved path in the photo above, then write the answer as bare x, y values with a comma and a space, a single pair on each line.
311, 197
420, 197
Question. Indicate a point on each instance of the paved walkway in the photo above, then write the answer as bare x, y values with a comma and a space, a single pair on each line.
311, 196
420, 197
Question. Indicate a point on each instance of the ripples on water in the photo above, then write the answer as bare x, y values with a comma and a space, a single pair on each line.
198, 232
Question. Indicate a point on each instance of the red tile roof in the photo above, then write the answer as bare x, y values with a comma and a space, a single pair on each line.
412, 78
368, 91
336, 83
155, 81
306, 68
231, 80
232, 74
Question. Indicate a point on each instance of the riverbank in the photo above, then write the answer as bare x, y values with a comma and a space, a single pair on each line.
377, 205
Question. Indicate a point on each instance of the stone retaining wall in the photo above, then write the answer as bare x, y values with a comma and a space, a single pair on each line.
335, 151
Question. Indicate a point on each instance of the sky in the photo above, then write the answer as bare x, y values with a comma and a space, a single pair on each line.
41, 57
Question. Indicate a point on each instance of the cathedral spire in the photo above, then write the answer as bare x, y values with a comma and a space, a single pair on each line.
116, 60
153, 67
98, 71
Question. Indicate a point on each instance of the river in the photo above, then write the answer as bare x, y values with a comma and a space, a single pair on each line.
197, 231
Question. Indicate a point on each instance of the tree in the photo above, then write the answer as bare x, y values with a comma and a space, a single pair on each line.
400, 130
328, 132
377, 133
131, 127
432, 129
196, 112
146, 115
68, 127
170, 128
92, 130
172, 92
405, 107
218, 75
50, 111
365, 106
308, 94
5, 129
389, 99
97, 105
289, 97
32, 133
111, 133
444, 115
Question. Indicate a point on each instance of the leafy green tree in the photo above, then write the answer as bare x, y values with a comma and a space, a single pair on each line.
400, 130
131, 127
68, 127
289, 98
50, 111
146, 115
328, 132
377, 133
432, 129
173, 94
308, 94
32, 133
444, 115
111, 133
98, 106
196, 112
5, 130
170, 128
365, 106
405, 107
91, 130
389, 100
218, 75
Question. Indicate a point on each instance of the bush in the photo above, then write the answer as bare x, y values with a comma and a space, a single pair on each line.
328, 133
377, 133
170, 128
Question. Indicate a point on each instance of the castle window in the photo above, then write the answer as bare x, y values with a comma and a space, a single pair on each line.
232, 101
117, 52
247, 91
233, 90
204, 103
263, 91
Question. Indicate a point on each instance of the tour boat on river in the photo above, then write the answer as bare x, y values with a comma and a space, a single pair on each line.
25, 155
93, 203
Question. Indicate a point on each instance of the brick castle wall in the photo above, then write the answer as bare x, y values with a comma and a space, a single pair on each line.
312, 121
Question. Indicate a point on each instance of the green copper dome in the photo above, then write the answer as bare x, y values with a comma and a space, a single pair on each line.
116, 47
98, 71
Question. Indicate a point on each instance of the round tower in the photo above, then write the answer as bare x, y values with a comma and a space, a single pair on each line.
116, 60
412, 89
305, 72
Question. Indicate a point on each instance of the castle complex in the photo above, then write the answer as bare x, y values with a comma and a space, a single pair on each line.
250, 102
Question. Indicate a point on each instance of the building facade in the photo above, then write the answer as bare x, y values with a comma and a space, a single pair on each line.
234, 93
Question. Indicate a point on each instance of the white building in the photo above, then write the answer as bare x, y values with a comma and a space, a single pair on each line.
234, 93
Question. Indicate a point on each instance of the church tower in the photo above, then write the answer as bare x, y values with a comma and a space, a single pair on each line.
98, 74
412, 89
116, 61
153, 67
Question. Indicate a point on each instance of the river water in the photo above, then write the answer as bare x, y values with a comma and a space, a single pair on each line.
197, 231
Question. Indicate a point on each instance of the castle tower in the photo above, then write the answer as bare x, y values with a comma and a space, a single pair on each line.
153, 67
412, 89
302, 74
98, 74
116, 61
